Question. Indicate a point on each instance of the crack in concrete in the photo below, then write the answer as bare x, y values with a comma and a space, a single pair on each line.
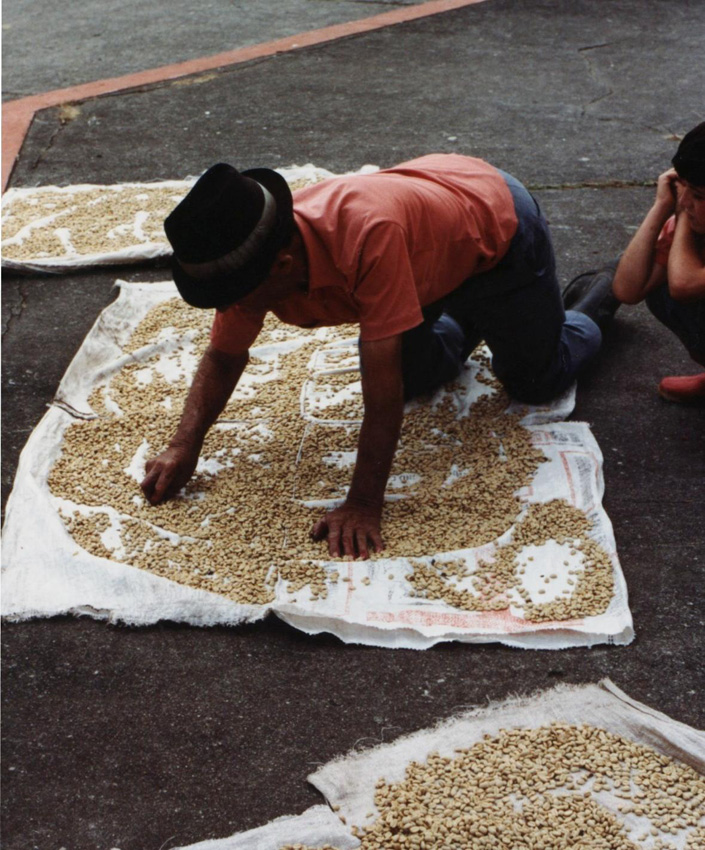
594, 184
15, 311
594, 46
49, 145
596, 77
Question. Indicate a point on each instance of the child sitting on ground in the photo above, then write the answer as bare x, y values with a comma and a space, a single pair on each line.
665, 261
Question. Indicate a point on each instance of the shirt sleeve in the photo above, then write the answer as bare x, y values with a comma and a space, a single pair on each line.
385, 292
234, 330
664, 241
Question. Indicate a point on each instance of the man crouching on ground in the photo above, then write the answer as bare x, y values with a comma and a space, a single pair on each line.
428, 258
664, 263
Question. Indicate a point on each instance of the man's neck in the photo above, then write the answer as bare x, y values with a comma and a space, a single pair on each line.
299, 271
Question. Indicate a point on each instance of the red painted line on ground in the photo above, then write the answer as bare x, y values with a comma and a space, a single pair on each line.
16, 120
17, 114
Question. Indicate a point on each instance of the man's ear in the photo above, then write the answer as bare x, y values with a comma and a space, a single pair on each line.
283, 262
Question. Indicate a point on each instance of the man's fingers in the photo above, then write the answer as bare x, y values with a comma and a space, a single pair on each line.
334, 529
167, 474
361, 542
330, 529
348, 540
334, 542
156, 485
159, 488
376, 538
149, 481
351, 534
319, 530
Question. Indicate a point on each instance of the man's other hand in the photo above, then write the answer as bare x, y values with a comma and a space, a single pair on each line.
168, 473
352, 530
667, 190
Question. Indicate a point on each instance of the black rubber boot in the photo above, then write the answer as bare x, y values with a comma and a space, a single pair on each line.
591, 293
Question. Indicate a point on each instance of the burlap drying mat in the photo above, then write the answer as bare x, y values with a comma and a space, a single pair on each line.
494, 525
667, 762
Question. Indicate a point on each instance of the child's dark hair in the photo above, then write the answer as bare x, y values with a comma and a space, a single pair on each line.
689, 160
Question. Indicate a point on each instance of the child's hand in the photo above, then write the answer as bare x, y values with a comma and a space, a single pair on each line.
667, 191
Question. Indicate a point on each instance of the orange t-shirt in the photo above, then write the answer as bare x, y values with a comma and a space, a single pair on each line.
381, 246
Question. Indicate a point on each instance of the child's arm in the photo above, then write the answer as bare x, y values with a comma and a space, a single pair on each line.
686, 271
637, 272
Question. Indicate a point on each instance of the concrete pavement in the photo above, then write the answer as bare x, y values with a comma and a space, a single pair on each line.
159, 737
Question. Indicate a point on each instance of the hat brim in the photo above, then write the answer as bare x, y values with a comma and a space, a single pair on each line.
228, 289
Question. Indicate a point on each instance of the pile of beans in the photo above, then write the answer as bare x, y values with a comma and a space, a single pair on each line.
91, 220
99, 220
243, 523
539, 789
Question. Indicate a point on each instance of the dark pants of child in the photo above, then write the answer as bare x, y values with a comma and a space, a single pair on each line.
685, 319
537, 347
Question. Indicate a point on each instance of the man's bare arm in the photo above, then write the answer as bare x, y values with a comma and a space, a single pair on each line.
355, 525
686, 271
213, 384
637, 273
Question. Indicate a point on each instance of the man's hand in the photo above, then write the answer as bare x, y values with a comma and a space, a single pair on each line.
168, 473
667, 192
352, 529
215, 379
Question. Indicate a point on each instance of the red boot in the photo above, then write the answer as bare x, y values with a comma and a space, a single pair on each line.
688, 389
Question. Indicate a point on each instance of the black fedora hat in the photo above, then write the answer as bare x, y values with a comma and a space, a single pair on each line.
226, 233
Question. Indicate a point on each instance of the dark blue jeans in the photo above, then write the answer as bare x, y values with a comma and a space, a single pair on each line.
685, 319
516, 307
